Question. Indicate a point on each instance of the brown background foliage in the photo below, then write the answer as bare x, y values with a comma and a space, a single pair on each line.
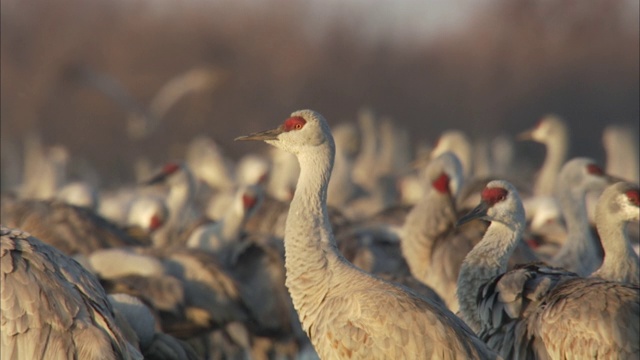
511, 63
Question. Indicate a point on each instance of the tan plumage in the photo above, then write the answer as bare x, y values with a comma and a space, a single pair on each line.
374, 250
346, 312
184, 215
269, 218
432, 246
431, 243
551, 131
457, 142
226, 231
376, 320
617, 206
122, 270
540, 312
188, 287
52, 308
212, 297
581, 252
71, 229
536, 311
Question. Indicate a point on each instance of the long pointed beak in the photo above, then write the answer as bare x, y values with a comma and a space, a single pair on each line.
155, 179
477, 213
262, 135
525, 135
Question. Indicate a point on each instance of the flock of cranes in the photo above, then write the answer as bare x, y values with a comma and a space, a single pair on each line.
326, 249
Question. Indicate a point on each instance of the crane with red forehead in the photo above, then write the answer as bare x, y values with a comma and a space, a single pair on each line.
618, 205
536, 311
346, 312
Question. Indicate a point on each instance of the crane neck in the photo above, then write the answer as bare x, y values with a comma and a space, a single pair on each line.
488, 259
574, 210
619, 257
232, 224
557, 150
311, 254
180, 199
429, 220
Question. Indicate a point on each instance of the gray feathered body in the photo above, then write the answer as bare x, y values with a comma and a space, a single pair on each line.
52, 308
541, 312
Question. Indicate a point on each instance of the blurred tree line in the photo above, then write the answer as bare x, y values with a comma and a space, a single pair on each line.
510, 64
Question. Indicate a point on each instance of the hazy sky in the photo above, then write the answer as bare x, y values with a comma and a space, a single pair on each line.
384, 19
380, 20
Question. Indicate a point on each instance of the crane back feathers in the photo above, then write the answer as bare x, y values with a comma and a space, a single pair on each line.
52, 307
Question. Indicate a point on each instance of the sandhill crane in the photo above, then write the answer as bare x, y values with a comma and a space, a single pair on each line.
431, 243
146, 214
433, 252
227, 230
581, 251
346, 312
250, 170
618, 205
180, 201
52, 308
535, 311
458, 143
553, 132
71, 229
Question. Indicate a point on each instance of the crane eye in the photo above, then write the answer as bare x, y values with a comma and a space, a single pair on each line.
293, 123
493, 195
